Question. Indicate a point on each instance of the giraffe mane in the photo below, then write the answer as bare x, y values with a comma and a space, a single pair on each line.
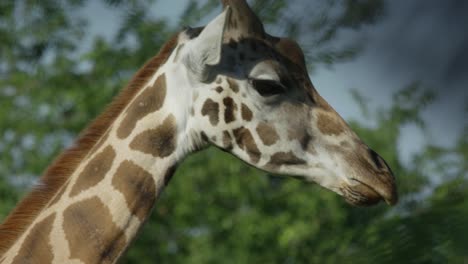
65, 164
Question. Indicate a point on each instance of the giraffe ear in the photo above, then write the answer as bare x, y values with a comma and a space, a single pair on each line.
206, 48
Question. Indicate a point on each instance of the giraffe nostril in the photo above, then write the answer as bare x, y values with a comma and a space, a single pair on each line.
376, 159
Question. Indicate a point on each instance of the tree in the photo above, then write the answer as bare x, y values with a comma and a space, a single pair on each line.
217, 209
51, 87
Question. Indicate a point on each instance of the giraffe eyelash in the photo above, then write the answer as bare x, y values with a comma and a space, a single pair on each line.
267, 87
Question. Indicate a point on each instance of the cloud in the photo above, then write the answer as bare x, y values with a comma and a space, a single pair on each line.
420, 40
426, 40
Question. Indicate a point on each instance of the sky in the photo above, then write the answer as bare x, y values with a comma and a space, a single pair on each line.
418, 40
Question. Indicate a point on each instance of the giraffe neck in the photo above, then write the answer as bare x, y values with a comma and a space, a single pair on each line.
98, 211
98, 208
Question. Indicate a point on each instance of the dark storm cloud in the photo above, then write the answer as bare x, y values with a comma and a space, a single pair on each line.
427, 39
455, 16
457, 68
418, 40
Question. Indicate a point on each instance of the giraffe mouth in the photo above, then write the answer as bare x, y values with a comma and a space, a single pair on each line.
363, 194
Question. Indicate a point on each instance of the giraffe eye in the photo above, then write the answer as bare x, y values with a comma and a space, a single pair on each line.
267, 87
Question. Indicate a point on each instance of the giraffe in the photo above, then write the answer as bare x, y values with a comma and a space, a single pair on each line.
228, 84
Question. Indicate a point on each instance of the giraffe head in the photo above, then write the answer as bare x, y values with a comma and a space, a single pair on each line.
251, 96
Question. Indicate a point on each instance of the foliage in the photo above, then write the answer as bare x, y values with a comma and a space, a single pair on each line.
217, 209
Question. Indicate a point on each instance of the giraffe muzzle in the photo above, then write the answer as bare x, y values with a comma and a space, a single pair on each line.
371, 181
367, 194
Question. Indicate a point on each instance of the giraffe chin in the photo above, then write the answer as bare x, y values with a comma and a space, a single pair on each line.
364, 195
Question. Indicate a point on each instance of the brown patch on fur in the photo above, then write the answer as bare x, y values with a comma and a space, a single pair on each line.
159, 142
345, 144
36, 247
149, 101
137, 186
246, 113
329, 125
302, 137
246, 142
285, 158
267, 133
211, 109
219, 89
227, 140
230, 109
57, 173
94, 171
91, 232
233, 85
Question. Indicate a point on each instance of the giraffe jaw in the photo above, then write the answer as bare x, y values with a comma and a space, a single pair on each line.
363, 194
